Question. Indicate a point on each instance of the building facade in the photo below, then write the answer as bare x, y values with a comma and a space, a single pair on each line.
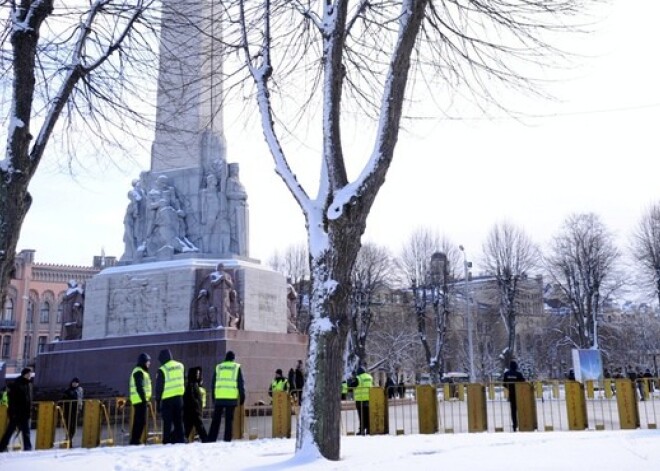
32, 313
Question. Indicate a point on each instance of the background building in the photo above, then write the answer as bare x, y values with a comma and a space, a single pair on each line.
32, 314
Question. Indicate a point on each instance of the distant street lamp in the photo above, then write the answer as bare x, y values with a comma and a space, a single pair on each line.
468, 314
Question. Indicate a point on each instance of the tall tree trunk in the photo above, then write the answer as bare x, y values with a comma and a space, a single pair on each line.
15, 202
320, 418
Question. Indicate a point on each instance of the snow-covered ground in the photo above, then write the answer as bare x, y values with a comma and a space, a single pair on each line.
603, 451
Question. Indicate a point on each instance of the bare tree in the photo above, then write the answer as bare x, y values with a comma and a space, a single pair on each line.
645, 248
509, 255
434, 259
76, 69
373, 272
340, 57
294, 263
582, 263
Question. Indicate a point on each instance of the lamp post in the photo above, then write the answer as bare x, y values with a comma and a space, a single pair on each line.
468, 314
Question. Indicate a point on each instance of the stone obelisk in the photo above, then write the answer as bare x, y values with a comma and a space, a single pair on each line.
189, 129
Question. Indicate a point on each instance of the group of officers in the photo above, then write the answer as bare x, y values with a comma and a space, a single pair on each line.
181, 402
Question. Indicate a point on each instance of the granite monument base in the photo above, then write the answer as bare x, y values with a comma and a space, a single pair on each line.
110, 361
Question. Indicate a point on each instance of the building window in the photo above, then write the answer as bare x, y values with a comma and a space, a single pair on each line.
8, 312
60, 309
44, 314
6, 346
42, 343
30, 312
26, 347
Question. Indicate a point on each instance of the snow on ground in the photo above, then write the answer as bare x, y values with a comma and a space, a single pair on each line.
604, 451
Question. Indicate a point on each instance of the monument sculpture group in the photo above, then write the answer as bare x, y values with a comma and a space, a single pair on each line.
185, 279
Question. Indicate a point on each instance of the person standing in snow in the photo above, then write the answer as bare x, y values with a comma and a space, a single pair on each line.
510, 378
228, 392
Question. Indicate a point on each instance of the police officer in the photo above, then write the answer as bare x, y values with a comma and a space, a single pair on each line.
280, 383
170, 386
510, 378
139, 387
362, 382
228, 391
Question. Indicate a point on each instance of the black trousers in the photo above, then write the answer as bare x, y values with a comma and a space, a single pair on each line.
139, 422
217, 417
22, 424
363, 415
171, 410
190, 422
71, 418
514, 412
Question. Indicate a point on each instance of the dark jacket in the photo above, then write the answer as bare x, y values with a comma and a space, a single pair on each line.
192, 397
163, 357
240, 384
511, 376
139, 379
299, 380
20, 399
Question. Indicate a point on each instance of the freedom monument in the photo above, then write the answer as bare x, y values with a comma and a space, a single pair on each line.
185, 280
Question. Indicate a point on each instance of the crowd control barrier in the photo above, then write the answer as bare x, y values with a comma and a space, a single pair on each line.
543, 406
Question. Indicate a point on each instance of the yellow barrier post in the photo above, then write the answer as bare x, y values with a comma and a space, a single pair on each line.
538, 388
427, 409
607, 387
576, 405
239, 423
476, 405
281, 422
91, 433
590, 388
491, 391
461, 392
526, 405
626, 400
555, 390
46, 420
378, 412
4, 420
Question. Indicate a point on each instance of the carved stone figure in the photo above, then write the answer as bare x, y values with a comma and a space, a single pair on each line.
73, 305
215, 298
292, 308
168, 228
238, 211
215, 226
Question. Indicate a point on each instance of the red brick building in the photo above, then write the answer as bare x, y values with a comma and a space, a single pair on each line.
32, 314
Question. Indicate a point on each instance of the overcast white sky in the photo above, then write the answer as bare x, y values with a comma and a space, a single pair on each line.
595, 150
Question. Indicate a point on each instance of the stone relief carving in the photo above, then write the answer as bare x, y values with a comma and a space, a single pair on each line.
209, 217
216, 304
73, 305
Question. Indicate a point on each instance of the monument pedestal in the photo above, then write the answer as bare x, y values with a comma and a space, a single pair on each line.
109, 361
160, 297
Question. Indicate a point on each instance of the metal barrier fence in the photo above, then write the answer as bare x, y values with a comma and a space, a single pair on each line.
448, 408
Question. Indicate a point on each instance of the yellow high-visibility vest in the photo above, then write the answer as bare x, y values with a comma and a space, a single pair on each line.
174, 382
226, 380
282, 385
146, 382
361, 392
202, 392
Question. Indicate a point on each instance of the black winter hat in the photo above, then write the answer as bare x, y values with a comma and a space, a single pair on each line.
513, 366
164, 356
75, 380
278, 372
143, 358
229, 356
360, 370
